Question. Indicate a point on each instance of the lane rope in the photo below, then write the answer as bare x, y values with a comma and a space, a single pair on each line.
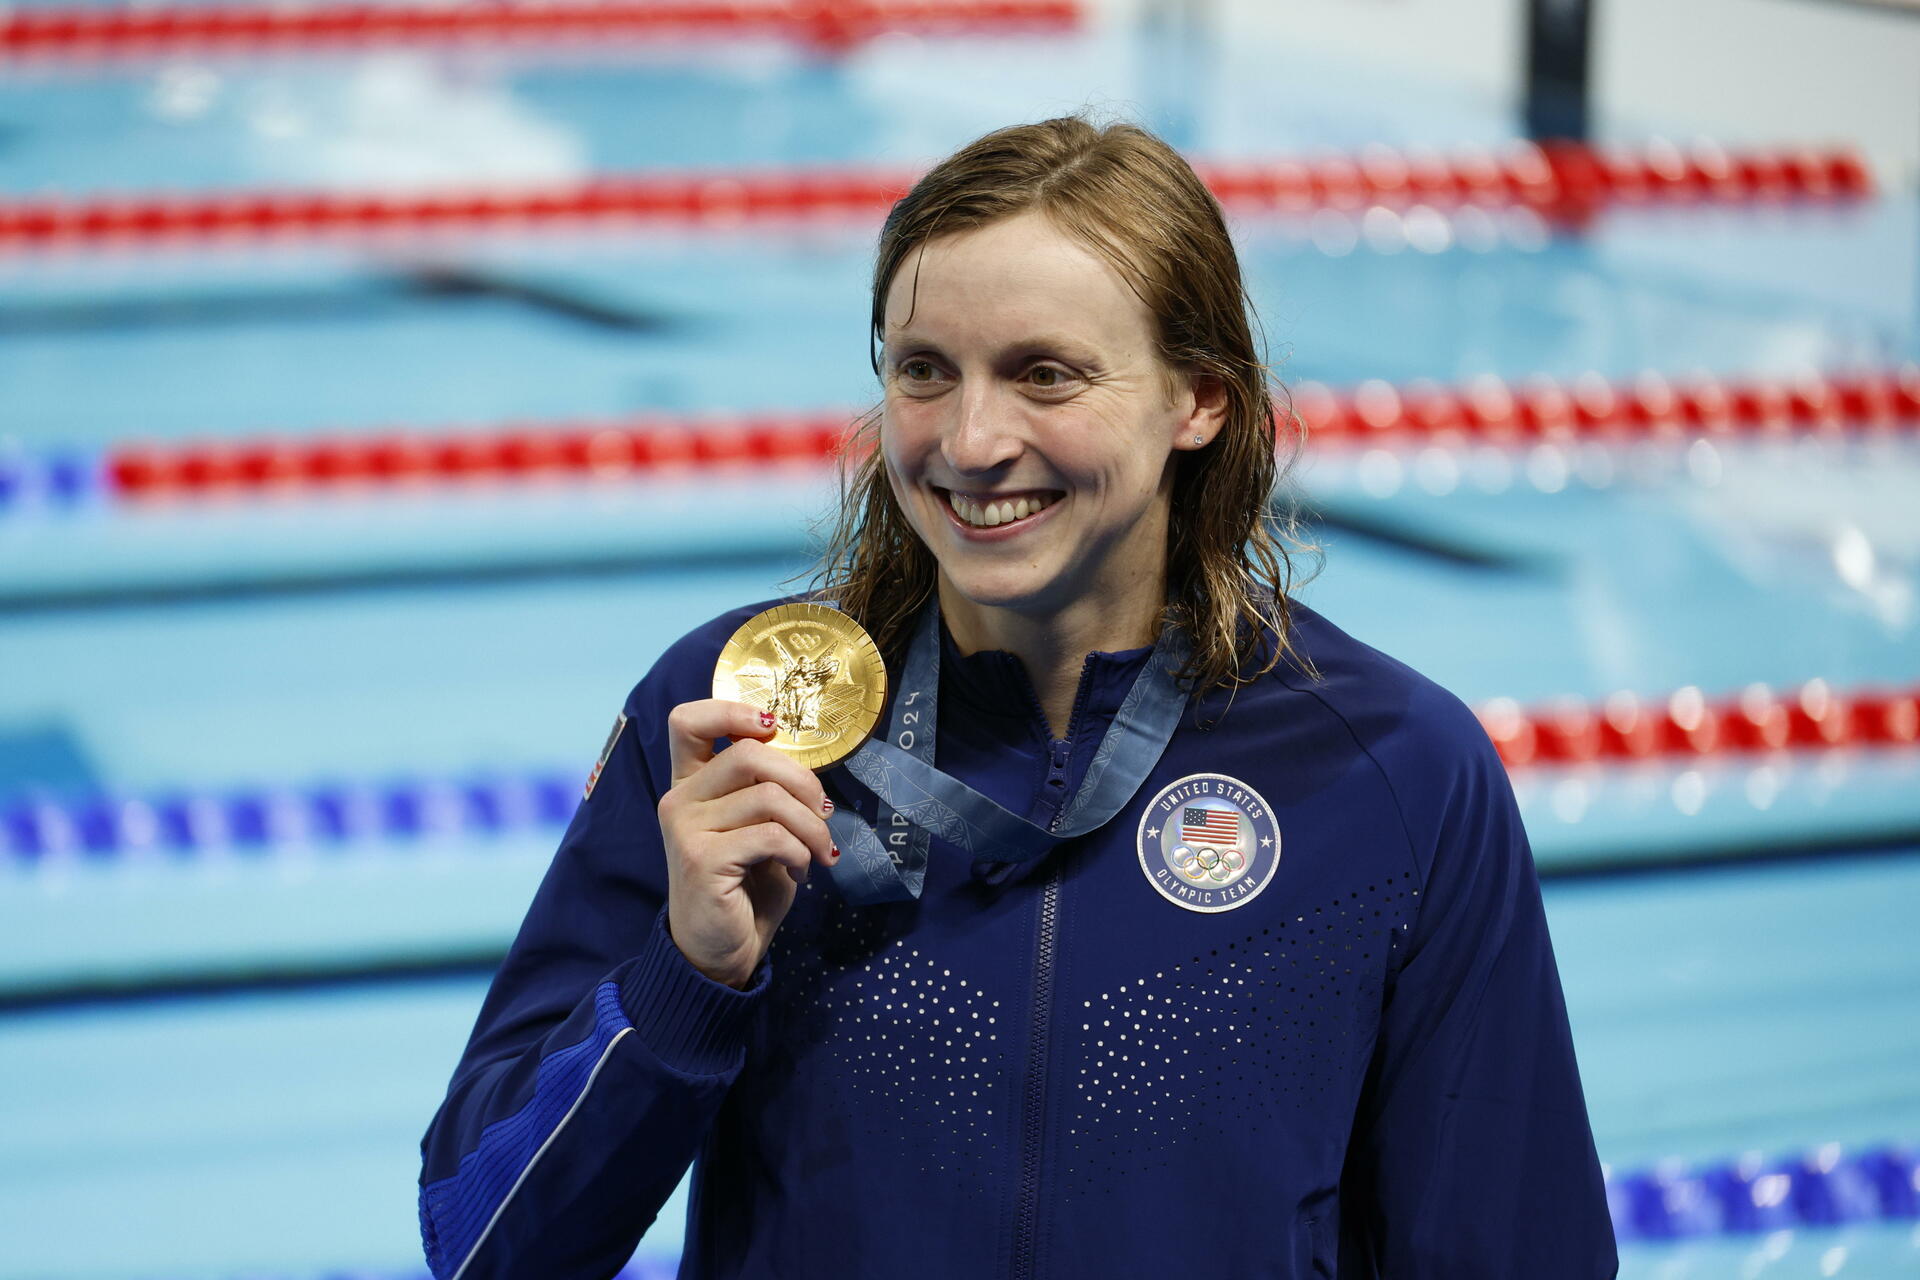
1651, 406
249, 30
40, 826
1689, 725
1564, 183
1825, 1187
1488, 413
405, 461
243, 820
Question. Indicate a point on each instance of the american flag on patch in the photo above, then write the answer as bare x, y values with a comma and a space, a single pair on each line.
606, 754
1209, 826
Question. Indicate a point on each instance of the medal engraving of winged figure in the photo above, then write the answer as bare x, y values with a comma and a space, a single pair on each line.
797, 690
800, 690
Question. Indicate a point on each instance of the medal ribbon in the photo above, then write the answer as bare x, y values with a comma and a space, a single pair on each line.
918, 802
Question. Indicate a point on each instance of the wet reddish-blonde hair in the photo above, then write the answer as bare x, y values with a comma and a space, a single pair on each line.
1132, 199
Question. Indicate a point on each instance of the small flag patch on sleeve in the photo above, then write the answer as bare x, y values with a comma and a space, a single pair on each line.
606, 754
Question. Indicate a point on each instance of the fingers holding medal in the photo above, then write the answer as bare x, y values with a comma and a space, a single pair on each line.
798, 688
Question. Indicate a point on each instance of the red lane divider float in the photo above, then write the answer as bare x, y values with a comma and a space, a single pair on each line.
1487, 412
523, 452
1560, 180
1493, 410
827, 24
1689, 725
1564, 183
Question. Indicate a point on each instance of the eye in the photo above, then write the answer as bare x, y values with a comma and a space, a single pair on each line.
918, 371
1049, 377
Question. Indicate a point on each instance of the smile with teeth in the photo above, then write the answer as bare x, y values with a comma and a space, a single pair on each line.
985, 515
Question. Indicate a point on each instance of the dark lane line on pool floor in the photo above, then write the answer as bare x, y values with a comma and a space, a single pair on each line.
133, 596
1698, 859
480, 962
367, 296
783, 548
1425, 544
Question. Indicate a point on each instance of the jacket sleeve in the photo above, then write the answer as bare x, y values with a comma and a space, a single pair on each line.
1472, 1157
599, 1058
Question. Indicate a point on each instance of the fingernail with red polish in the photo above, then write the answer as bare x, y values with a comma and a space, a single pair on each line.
826, 804
836, 854
766, 719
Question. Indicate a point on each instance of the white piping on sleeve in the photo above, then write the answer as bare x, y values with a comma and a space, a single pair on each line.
508, 1198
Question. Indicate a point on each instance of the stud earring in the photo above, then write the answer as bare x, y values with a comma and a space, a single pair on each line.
1199, 439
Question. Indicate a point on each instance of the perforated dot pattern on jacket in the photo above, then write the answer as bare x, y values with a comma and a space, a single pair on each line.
924, 1052
1232, 1037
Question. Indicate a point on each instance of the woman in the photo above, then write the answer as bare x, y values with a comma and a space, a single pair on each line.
1286, 1007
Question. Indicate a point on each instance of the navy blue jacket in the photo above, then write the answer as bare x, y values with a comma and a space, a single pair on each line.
1330, 1043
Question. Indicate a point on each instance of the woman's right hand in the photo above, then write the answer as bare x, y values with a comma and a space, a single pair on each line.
741, 829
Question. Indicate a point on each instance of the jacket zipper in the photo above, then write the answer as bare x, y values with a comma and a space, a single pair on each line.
1032, 1127
1027, 1211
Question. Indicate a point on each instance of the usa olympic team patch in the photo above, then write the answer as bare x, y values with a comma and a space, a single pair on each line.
1209, 843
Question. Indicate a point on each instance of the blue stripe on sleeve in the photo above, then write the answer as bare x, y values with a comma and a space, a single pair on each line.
456, 1210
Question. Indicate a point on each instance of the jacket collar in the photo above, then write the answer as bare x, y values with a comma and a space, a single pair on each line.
993, 684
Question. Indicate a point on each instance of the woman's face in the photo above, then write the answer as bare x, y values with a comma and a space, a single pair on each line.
1028, 423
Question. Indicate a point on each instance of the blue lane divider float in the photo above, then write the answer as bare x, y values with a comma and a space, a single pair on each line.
1825, 1187
61, 479
654, 1269
37, 827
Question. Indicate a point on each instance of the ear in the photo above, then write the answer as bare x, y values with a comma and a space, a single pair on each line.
1202, 406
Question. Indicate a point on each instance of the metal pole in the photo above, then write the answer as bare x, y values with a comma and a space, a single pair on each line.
1559, 55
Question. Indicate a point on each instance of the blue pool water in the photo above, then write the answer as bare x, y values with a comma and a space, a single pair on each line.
1736, 1005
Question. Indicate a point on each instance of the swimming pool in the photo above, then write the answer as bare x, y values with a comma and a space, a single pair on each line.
235, 1038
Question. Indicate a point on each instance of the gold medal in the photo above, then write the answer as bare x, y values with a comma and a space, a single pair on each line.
816, 670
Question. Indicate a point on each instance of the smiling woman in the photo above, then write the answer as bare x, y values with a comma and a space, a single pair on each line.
1183, 934
1088, 280
1036, 470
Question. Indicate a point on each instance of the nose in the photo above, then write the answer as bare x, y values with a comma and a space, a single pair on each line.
983, 433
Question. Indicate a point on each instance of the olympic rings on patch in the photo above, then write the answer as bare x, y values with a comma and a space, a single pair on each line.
1204, 863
